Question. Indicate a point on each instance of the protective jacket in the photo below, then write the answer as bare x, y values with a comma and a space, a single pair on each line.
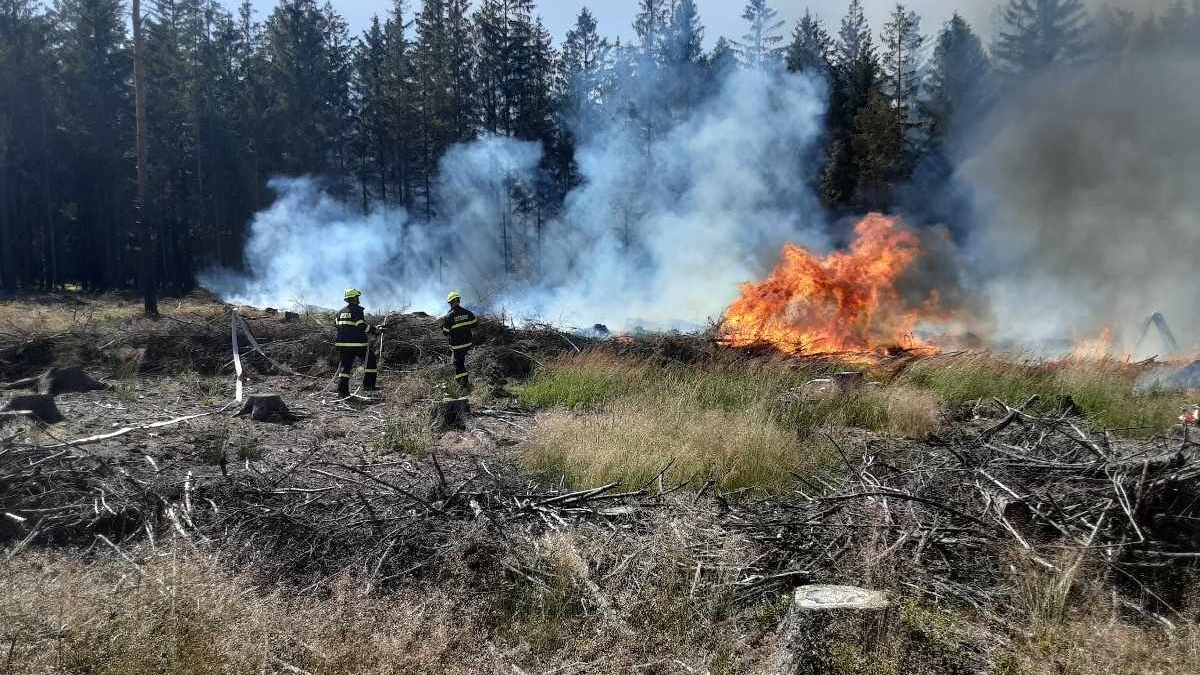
352, 327
457, 326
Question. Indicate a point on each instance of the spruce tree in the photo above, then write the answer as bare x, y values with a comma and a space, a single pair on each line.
1035, 34
958, 76
760, 46
902, 42
811, 47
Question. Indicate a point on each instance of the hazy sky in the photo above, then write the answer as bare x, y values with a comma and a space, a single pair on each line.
720, 17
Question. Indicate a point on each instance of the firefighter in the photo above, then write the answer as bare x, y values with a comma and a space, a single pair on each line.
457, 325
354, 344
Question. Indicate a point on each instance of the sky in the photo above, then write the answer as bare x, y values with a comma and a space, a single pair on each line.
720, 17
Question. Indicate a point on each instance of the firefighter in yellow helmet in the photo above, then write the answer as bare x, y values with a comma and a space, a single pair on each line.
353, 344
457, 324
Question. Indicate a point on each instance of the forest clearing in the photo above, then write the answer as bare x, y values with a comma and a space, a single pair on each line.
636, 504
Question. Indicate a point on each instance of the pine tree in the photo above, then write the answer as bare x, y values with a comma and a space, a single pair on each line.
650, 25
855, 78
902, 42
97, 114
722, 59
583, 73
30, 242
759, 48
1115, 32
957, 76
1035, 34
580, 88
399, 95
684, 37
811, 47
371, 129
854, 38
505, 41
683, 59
878, 149
308, 73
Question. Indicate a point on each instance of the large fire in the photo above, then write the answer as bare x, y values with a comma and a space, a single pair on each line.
845, 302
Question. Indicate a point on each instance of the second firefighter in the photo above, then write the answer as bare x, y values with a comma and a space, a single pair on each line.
353, 344
458, 325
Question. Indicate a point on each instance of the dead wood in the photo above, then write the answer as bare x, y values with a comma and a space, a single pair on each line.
266, 408
40, 406
449, 414
823, 616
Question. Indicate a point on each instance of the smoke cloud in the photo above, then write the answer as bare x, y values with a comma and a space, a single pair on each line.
1086, 187
661, 231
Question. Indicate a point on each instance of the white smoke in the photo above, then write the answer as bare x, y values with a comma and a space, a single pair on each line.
661, 231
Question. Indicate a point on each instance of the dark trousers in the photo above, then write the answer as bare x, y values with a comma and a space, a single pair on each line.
348, 356
460, 367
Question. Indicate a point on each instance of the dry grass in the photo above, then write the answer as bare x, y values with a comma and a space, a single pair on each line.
634, 439
1091, 643
585, 595
181, 614
616, 419
1105, 389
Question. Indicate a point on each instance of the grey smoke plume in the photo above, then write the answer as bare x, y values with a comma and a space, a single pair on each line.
1087, 193
661, 231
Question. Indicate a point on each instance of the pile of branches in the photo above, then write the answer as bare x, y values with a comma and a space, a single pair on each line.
310, 519
949, 520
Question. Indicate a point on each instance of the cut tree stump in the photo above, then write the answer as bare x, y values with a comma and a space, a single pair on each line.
266, 408
290, 317
824, 622
850, 381
450, 413
41, 406
71, 380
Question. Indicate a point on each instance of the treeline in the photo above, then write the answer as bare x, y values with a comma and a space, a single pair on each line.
233, 101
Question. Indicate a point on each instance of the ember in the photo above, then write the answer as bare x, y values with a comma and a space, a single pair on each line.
847, 302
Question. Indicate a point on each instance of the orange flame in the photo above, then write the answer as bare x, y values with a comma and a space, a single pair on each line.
1095, 348
846, 302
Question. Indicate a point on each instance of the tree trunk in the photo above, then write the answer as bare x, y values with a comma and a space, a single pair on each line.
149, 261
824, 623
449, 413
266, 408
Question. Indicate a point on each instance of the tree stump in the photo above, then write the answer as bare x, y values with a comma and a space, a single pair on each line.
69, 380
56, 381
824, 622
41, 406
290, 317
266, 408
449, 413
850, 381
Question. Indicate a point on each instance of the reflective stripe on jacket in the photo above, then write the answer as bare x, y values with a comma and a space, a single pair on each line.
352, 327
457, 326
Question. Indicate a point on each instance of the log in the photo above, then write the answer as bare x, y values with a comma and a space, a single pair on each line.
449, 413
826, 621
266, 408
41, 406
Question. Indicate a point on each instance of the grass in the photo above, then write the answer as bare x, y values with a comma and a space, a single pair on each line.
619, 420
614, 419
1104, 389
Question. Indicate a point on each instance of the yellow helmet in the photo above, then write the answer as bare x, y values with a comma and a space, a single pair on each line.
352, 293
454, 295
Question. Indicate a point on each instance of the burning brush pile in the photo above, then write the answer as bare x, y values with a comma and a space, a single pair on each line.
849, 302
